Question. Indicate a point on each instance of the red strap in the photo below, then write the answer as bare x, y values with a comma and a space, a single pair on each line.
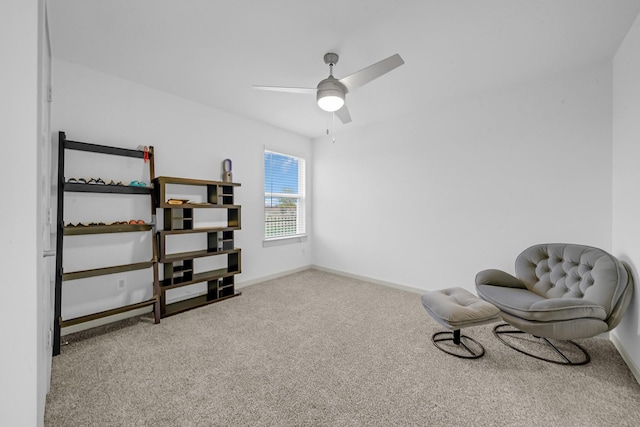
146, 154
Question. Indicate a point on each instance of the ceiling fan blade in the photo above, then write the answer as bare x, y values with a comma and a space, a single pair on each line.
303, 90
374, 71
343, 114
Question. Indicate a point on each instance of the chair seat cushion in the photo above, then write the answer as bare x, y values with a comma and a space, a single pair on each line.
531, 306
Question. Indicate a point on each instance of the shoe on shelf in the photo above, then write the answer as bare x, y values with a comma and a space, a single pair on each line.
98, 181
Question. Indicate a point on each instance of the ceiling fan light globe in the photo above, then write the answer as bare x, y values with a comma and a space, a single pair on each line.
330, 100
331, 94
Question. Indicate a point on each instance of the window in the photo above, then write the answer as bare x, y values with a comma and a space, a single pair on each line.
284, 195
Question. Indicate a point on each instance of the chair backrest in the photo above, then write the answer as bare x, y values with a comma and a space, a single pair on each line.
561, 270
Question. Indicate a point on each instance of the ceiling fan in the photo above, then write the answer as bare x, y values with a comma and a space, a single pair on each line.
330, 92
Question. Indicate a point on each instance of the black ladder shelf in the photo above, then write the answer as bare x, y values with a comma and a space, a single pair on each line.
62, 230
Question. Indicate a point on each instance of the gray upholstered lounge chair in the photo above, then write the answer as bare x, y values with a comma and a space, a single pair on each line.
560, 292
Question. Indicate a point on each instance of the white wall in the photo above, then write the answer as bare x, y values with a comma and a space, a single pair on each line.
190, 140
626, 176
21, 398
430, 199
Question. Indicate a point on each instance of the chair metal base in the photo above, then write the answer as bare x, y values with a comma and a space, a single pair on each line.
456, 337
582, 358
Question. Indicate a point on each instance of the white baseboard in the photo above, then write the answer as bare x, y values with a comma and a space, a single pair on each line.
105, 320
271, 277
635, 370
369, 279
329, 270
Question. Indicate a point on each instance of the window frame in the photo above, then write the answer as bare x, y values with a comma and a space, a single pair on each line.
301, 198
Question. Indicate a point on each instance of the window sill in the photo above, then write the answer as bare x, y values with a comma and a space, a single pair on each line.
280, 241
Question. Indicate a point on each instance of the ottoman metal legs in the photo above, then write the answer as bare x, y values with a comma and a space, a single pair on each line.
456, 308
475, 351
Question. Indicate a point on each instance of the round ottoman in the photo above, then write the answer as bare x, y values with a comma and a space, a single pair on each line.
456, 308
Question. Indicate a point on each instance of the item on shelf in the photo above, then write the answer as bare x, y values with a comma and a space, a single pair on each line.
94, 181
137, 184
91, 224
227, 175
177, 201
145, 150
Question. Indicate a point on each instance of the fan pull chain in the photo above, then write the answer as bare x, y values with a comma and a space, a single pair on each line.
333, 128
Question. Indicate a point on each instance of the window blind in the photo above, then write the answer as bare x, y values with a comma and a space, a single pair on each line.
284, 195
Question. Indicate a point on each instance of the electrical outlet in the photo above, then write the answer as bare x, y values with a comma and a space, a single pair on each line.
121, 284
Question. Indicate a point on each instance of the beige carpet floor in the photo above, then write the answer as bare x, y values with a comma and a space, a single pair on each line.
317, 349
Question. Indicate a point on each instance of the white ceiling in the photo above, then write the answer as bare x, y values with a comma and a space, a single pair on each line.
212, 51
